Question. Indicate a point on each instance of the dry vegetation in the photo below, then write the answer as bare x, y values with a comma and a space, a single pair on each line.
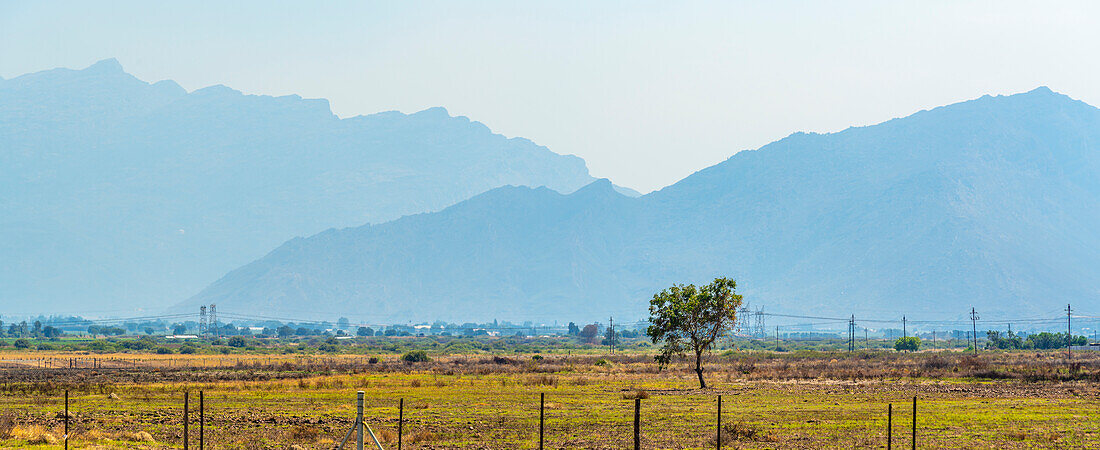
810, 400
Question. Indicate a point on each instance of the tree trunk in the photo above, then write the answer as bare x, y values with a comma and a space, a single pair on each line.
699, 369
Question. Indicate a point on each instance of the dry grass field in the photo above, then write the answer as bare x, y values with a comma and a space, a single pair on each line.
800, 400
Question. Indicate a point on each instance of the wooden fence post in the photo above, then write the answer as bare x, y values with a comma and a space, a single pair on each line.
400, 421
185, 397
542, 417
718, 437
889, 424
637, 424
914, 422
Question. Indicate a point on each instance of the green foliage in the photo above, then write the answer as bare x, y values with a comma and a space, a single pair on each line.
187, 350
603, 362
106, 331
908, 343
1008, 341
22, 343
685, 317
164, 351
144, 343
237, 341
415, 356
1046, 340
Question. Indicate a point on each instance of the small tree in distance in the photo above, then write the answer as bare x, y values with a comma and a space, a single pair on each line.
589, 333
685, 317
909, 344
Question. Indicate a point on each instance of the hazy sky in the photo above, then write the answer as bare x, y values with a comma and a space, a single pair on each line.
646, 92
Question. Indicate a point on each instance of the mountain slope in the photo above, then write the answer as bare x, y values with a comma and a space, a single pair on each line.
119, 193
991, 203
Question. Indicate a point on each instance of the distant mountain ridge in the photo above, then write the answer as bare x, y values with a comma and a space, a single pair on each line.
119, 193
992, 203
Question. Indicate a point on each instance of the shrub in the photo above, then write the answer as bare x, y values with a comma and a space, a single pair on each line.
22, 343
603, 362
305, 433
414, 356
423, 436
741, 431
187, 350
373, 360
908, 343
164, 351
541, 380
138, 344
237, 341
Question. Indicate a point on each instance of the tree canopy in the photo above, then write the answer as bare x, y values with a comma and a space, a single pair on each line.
909, 343
688, 318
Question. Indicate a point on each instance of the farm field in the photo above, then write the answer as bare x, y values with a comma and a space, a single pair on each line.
808, 400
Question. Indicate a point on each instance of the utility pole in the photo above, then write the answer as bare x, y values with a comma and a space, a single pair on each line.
611, 335
852, 334
904, 333
974, 326
933, 338
777, 338
1069, 330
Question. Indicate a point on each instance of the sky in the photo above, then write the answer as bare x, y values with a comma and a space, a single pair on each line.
647, 92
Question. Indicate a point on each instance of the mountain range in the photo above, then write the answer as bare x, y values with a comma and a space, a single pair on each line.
121, 194
992, 203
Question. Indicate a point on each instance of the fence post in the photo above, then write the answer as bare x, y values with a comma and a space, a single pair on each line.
202, 421
66, 419
400, 421
542, 416
914, 422
359, 420
889, 424
719, 435
637, 424
185, 396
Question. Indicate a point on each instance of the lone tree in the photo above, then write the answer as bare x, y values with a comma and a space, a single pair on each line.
908, 344
589, 333
686, 318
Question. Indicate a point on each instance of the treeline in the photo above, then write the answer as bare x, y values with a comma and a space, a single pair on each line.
25, 330
1037, 341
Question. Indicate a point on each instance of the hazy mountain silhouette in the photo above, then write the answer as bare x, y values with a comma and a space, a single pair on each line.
118, 193
993, 203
